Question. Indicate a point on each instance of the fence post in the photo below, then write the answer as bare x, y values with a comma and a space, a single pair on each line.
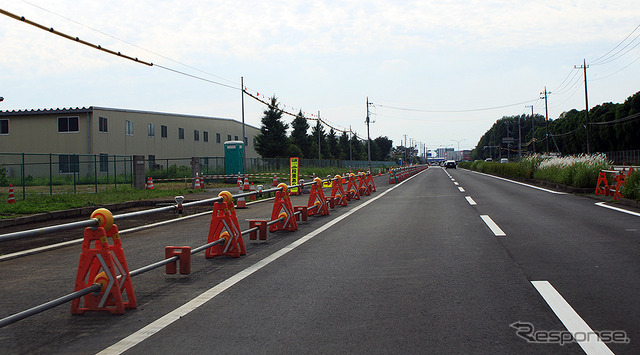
195, 170
95, 171
138, 172
50, 175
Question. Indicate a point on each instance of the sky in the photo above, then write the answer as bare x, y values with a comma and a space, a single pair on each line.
432, 69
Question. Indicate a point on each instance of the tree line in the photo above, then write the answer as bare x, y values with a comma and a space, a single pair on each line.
612, 127
273, 141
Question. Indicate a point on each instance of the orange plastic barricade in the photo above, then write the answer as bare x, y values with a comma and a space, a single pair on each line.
363, 187
105, 264
337, 192
352, 188
317, 199
282, 208
370, 183
602, 187
224, 225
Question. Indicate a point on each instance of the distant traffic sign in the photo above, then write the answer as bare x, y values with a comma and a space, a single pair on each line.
508, 140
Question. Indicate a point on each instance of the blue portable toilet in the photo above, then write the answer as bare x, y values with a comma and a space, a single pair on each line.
233, 157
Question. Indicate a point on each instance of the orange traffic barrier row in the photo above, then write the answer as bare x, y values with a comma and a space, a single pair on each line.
617, 179
103, 262
397, 175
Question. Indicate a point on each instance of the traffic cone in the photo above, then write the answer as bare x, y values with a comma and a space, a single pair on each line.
246, 187
275, 180
12, 198
196, 185
379, 172
252, 197
150, 183
202, 183
241, 203
239, 180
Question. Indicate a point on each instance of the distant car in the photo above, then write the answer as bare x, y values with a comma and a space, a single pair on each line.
450, 164
488, 159
504, 161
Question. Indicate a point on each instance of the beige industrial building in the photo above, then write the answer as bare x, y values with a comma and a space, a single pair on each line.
101, 130
109, 131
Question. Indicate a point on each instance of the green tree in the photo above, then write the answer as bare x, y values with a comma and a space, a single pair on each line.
272, 140
332, 142
343, 143
384, 146
300, 136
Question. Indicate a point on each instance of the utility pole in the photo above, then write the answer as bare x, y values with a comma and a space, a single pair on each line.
404, 149
584, 67
533, 143
368, 137
519, 140
244, 138
350, 137
546, 114
319, 126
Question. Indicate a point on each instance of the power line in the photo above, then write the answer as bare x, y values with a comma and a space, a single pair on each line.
456, 111
75, 39
596, 61
127, 42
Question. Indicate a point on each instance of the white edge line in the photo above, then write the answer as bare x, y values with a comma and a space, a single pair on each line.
571, 319
471, 201
162, 322
493, 226
520, 183
604, 204
461, 189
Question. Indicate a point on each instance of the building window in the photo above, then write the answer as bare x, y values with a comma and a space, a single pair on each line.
228, 137
180, 133
254, 141
196, 135
163, 131
217, 137
68, 164
152, 130
68, 124
4, 126
205, 136
104, 162
128, 130
246, 141
152, 162
102, 125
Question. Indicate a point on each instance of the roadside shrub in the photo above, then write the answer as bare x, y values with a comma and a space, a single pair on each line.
632, 186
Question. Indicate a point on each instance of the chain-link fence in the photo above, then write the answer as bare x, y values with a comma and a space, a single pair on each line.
70, 173
624, 157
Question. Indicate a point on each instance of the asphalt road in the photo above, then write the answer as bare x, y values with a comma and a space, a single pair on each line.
413, 268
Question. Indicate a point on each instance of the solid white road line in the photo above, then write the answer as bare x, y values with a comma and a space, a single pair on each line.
164, 321
520, 183
603, 204
572, 321
471, 201
493, 226
455, 183
461, 189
